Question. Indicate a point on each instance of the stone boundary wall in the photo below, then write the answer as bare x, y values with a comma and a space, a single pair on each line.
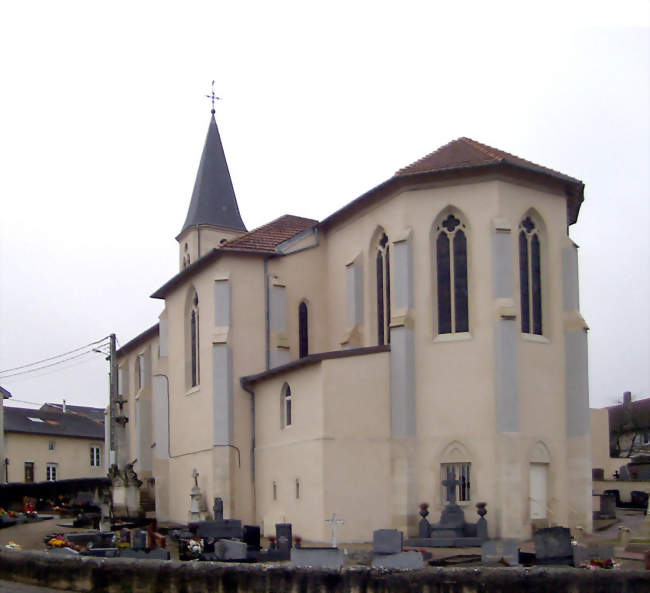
120, 575
623, 486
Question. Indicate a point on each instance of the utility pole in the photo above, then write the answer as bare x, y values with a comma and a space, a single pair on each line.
113, 405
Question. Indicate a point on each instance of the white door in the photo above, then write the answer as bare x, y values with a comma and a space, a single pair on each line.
538, 489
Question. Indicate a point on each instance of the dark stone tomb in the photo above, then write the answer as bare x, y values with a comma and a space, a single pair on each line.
252, 537
387, 541
452, 531
553, 546
220, 529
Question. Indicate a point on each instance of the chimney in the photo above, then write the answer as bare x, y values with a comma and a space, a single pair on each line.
627, 397
64, 406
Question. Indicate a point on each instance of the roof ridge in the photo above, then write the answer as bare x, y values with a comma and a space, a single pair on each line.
426, 156
484, 148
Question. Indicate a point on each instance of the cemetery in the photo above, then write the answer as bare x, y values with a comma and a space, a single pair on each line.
219, 554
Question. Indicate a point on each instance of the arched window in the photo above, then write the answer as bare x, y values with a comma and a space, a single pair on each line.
297, 488
194, 341
303, 330
383, 290
451, 275
286, 406
530, 277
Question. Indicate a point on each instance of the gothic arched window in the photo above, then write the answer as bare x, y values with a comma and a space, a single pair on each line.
194, 341
383, 291
303, 330
530, 277
286, 406
451, 275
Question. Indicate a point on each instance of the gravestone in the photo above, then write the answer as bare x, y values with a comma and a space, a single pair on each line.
284, 536
217, 509
139, 539
607, 506
317, 557
410, 560
223, 529
227, 549
500, 551
387, 541
553, 545
252, 537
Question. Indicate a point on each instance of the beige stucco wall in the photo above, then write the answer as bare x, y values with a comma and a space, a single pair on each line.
337, 446
224, 471
71, 455
339, 437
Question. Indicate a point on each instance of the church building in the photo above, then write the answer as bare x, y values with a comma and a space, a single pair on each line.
307, 367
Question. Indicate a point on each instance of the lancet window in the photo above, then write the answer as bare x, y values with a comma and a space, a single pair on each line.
451, 275
530, 277
303, 330
194, 341
383, 290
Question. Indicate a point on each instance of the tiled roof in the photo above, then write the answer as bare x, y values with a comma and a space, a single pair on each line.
96, 414
269, 236
51, 423
465, 152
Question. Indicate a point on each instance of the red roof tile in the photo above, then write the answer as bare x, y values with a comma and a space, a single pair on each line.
465, 152
269, 236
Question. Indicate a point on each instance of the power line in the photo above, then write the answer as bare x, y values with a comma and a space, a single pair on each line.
45, 366
31, 364
30, 375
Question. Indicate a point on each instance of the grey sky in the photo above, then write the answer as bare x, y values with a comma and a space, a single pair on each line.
103, 119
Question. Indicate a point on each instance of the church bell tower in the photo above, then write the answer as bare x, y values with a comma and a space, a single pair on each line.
213, 216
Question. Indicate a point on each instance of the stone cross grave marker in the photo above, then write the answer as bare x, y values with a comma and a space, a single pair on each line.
450, 484
334, 521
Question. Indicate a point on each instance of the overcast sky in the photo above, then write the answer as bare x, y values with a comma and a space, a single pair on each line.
103, 118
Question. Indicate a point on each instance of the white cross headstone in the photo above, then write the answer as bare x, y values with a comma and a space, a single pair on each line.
334, 521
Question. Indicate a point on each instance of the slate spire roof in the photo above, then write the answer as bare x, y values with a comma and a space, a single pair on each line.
213, 199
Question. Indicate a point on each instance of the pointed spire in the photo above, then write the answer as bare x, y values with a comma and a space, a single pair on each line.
213, 199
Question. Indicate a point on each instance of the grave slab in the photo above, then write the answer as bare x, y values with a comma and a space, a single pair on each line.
317, 557
411, 560
226, 549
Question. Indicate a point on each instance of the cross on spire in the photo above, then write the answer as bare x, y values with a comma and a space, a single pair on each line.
213, 98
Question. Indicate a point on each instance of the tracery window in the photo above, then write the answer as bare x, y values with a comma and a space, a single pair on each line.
530, 277
451, 275
303, 330
194, 341
383, 291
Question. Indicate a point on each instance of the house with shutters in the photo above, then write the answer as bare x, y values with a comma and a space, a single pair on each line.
309, 367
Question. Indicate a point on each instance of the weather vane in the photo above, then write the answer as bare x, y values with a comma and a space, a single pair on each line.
213, 97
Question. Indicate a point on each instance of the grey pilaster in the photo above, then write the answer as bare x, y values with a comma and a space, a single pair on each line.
575, 349
402, 357
160, 413
506, 330
163, 336
143, 431
279, 354
354, 284
222, 394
